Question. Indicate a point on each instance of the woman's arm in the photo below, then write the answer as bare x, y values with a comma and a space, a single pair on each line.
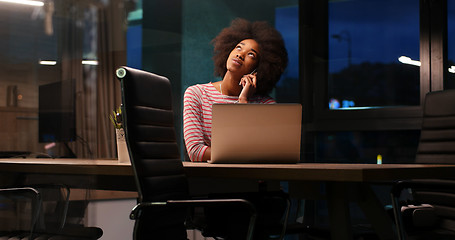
207, 154
192, 126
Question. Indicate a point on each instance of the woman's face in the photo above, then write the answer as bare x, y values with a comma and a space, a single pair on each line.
244, 58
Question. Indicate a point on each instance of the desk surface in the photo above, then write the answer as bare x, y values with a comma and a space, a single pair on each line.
321, 171
70, 166
286, 172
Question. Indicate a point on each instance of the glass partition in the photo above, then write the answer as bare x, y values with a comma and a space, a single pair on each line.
180, 47
197, 32
59, 57
450, 81
55, 58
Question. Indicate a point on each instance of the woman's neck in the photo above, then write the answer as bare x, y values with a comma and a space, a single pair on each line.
230, 85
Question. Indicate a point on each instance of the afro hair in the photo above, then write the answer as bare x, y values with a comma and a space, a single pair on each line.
273, 57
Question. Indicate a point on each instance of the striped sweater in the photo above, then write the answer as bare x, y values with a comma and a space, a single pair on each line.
197, 116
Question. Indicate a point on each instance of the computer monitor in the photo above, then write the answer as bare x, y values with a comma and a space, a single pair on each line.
57, 112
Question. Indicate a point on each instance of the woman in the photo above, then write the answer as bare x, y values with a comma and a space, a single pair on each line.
250, 57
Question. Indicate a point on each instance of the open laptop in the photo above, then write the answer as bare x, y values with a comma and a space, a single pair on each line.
256, 133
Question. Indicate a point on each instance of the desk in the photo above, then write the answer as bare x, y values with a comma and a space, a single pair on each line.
339, 178
367, 173
76, 173
344, 183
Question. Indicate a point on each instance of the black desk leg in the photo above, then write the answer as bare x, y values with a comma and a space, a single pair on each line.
375, 212
338, 206
339, 194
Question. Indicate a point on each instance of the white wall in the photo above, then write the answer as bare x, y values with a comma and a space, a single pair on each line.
113, 217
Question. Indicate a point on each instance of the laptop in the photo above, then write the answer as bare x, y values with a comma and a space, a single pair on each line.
256, 133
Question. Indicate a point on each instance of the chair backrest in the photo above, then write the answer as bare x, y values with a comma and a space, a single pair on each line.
149, 129
437, 140
150, 136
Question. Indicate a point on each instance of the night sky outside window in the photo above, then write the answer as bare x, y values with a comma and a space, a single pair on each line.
366, 41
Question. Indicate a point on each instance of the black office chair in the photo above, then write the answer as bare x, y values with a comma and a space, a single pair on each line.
40, 212
426, 210
11, 200
164, 200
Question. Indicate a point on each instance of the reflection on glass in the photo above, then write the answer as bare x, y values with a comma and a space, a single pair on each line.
450, 81
287, 22
28, 53
366, 40
134, 37
80, 42
197, 32
365, 146
50, 57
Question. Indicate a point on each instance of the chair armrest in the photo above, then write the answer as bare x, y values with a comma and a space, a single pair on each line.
18, 190
45, 192
397, 188
65, 195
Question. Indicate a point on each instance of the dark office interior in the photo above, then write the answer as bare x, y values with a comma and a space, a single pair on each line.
360, 69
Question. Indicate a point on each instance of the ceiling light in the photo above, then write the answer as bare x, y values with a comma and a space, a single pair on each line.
90, 62
47, 62
408, 60
25, 2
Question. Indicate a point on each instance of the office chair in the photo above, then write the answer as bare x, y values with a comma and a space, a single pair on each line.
40, 212
18, 197
164, 200
427, 209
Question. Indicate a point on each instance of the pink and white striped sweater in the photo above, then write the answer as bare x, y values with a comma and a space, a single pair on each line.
197, 116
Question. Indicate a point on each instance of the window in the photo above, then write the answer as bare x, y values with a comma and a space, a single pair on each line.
367, 146
356, 71
373, 54
366, 68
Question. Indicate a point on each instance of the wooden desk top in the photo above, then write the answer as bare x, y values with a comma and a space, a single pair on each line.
285, 172
322, 171
74, 166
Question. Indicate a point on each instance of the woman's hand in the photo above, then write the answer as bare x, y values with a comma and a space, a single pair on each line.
248, 82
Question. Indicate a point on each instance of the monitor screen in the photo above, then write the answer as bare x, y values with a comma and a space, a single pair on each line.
57, 112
